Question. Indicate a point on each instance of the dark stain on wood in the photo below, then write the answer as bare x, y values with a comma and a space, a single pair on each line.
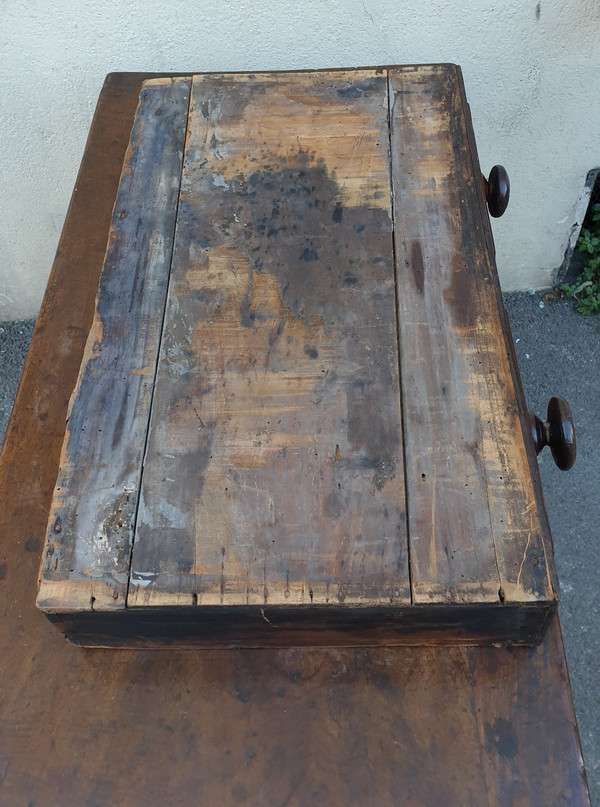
417, 266
264, 253
461, 294
311, 281
303, 625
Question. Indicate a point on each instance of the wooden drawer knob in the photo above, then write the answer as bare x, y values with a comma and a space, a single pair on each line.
558, 432
497, 190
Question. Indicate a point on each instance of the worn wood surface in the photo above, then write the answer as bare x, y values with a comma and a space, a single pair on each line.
274, 472
381, 726
90, 532
328, 228
474, 526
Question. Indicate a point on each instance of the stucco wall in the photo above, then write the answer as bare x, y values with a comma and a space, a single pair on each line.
531, 71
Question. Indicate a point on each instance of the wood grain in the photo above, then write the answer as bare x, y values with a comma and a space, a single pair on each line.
274, 472
474, 528
370, 727
88, 544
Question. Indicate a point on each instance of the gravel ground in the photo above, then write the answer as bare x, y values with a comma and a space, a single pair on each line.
559, 354
14, 342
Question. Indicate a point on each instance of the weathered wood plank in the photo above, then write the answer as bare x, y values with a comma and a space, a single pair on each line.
474, 528
274, 472
88, 544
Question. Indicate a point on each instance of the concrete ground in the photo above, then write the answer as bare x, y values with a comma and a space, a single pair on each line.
559, 354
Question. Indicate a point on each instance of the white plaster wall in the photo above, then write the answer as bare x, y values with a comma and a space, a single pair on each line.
532, 72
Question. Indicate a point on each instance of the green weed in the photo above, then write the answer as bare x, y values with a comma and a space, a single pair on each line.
586, 289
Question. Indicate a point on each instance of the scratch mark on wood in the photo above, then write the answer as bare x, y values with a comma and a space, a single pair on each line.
267, 620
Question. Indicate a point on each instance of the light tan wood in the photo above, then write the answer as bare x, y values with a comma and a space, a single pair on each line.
310, 728
274, 472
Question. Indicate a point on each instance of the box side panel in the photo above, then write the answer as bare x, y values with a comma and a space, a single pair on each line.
309, 626
533, 465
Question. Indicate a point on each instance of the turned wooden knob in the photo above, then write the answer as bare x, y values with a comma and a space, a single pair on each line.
558, 432
497, 190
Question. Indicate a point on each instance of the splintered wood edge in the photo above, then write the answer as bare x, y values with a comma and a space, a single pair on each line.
318, 594
69, 596
324, 595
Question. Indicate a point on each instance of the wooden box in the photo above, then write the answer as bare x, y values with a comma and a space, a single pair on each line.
298, 419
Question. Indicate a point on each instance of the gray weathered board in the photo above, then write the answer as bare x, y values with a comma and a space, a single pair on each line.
296, 420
